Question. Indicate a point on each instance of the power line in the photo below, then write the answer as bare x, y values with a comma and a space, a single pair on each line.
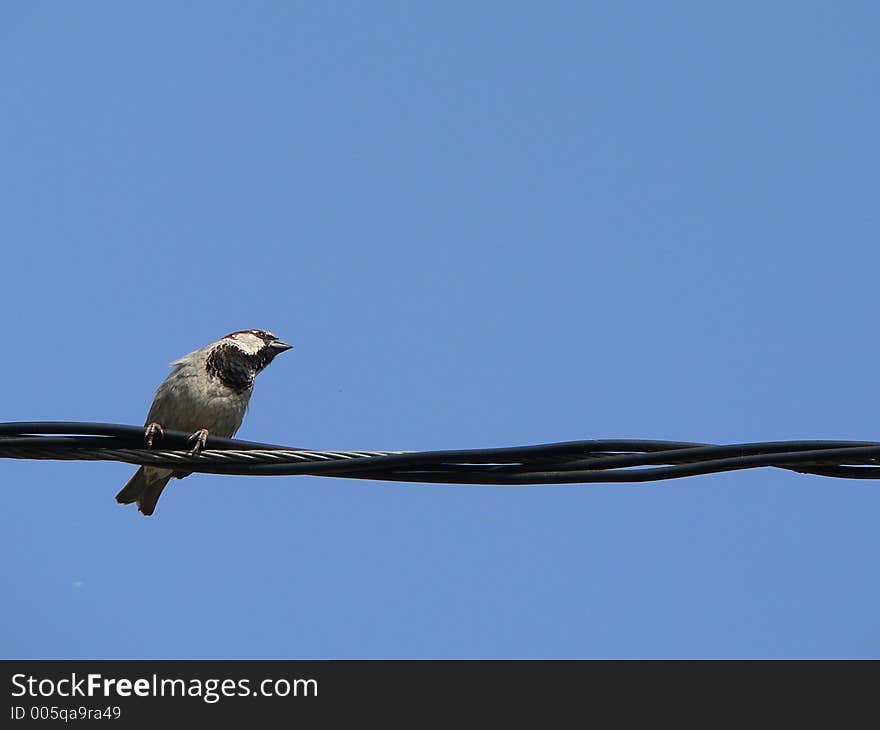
571, 462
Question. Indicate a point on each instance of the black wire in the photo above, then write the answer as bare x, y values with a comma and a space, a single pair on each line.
591, 461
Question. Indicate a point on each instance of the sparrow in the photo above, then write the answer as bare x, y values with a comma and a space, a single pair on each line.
207, 392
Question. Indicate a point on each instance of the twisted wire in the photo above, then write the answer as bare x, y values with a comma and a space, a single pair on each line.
593, 461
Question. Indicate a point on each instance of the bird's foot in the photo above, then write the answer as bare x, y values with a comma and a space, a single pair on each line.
153, 432
198, 440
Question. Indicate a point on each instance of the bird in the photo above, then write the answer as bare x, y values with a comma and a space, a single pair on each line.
207, 392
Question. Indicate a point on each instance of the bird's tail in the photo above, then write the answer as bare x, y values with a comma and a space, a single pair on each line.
143, 490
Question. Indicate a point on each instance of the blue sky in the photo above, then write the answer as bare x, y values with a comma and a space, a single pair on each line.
482, 224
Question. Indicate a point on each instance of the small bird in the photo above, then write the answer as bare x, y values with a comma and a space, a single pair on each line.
207, 393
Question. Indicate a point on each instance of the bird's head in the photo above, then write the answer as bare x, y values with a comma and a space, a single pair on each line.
237, 358
256, 342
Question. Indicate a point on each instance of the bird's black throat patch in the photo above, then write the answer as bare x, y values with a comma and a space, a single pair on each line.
235, 368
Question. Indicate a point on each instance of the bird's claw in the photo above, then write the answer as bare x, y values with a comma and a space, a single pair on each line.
152, 433
198, 439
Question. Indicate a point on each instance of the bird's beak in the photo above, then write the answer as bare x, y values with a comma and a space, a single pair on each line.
279, 346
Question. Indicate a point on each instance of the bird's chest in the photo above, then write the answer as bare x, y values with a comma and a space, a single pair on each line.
205, 402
